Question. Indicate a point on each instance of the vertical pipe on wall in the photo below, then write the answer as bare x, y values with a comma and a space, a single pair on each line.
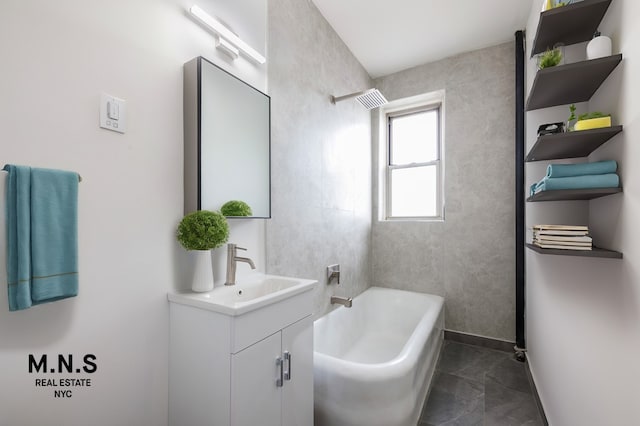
520, 207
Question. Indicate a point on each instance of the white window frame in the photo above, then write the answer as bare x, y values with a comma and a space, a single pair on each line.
428, 102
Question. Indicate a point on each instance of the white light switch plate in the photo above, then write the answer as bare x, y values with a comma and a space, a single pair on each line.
113, 113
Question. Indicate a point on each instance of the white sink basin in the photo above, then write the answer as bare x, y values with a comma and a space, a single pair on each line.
248, 294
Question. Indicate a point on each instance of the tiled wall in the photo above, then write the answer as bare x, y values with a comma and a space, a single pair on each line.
469, 258
321, 154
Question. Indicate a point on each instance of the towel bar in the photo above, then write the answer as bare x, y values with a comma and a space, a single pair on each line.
79, 177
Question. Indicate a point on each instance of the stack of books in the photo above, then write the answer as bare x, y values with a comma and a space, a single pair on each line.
564, 237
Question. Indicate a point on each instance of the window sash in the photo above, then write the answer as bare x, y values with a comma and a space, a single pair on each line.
406, 113
389, 209
437, 163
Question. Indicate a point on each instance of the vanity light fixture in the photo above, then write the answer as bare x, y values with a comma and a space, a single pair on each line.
227, 40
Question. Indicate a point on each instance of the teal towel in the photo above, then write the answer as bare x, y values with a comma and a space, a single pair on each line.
610, 180
568, 170
17, 208
42, 235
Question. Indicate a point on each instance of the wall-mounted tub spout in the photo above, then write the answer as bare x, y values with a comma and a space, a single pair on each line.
344, 301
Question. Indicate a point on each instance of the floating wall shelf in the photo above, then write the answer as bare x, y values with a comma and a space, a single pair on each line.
594, 252
570, 144
566, 84
570, 83
573, 194
569, 24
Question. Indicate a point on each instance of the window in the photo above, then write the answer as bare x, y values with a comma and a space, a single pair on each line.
414, 163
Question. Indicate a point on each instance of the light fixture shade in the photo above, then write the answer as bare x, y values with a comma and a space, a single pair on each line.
226, 34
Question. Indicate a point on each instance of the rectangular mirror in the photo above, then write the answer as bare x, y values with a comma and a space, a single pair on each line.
227, 141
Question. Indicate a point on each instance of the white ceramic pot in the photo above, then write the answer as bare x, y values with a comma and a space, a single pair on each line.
202, 278
599, 47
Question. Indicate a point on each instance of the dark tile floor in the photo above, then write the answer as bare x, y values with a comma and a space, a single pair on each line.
478, 386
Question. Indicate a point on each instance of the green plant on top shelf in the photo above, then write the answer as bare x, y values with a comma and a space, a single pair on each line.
550, 58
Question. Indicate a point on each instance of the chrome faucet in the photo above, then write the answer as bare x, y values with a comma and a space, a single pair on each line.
232, 259
344, 301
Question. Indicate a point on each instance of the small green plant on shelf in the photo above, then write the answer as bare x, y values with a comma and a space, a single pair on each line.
203, 230
590, 115
550, 58
573, 119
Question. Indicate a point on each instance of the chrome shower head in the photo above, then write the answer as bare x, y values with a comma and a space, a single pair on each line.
369, 99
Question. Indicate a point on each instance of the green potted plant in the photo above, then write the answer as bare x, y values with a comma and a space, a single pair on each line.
593, 120
550, 58
200, 232
588, 120
236, 208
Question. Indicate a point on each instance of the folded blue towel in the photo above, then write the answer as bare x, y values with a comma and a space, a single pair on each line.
568, 170
42, 235
610, 180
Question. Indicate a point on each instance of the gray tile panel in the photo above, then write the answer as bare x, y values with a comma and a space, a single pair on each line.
469, 259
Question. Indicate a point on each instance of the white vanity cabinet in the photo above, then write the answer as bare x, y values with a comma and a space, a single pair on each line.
258, 392
236, 368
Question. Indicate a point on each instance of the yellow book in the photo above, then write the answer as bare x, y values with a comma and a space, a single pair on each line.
593, 123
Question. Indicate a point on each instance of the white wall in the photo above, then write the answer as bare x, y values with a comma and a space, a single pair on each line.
583, 315
56, 59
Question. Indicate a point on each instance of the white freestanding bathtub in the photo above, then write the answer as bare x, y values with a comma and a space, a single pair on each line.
373, 363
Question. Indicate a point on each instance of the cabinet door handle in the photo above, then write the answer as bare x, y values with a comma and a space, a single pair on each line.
279, 364
287, 373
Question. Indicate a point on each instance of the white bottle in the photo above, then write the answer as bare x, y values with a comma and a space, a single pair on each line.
599, 47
